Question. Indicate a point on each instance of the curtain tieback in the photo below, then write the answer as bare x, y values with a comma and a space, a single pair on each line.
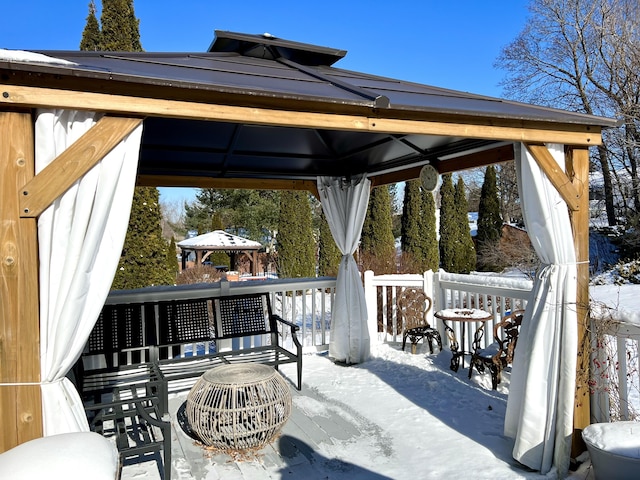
26, 384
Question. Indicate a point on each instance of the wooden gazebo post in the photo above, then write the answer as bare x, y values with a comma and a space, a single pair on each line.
578, 170
20, 396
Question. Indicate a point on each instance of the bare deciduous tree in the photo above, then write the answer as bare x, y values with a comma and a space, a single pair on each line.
584, 55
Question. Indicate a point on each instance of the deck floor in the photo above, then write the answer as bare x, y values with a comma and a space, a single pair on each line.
424, 430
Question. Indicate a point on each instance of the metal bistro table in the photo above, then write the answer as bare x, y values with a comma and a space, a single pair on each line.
467, 318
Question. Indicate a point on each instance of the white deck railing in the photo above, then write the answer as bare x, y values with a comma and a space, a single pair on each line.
308, 302
496, 295
615, 367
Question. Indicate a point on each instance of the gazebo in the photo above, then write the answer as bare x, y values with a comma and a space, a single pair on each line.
220, 241
79, 129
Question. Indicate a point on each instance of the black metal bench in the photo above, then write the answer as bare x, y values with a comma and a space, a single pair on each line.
120, 351
207, 324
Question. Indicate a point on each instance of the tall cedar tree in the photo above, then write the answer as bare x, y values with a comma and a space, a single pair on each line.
144, 255
449, 226
410, 225
466, 257
295, 242
91, 35
329, 254
172, 258
428, 233
377, 245
489, 219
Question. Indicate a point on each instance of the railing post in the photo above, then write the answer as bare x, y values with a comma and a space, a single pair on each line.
370, 298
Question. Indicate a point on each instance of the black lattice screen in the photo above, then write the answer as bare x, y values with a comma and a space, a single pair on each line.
241, 315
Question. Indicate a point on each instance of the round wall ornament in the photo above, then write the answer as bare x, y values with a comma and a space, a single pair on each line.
429, 177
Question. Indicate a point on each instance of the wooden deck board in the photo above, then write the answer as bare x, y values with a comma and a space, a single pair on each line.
314, 421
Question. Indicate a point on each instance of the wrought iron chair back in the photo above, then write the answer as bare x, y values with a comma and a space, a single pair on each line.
413, 306
505, 335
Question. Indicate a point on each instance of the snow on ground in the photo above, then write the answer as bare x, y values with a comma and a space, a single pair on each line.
420, 419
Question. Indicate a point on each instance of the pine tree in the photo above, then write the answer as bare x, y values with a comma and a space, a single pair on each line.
449, 226
329, 255
172, 258
428, 233
377, 245
91, 35
295, 243
411, 241
489, 222
140, 265
120, 28
144, 255
466, 257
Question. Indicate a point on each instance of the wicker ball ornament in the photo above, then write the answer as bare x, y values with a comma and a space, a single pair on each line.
238, 406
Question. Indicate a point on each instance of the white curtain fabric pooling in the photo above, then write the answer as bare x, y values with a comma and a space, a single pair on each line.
80, 242
541, 395
344, 203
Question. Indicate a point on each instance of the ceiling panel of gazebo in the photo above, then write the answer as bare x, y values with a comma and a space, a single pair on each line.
219, 150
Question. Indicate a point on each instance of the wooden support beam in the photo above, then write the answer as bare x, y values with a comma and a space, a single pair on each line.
20, 396
560, 180
57, 177
578, 170
235, 183
456, 125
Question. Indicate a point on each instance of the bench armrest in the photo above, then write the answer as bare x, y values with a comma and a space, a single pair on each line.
293, 326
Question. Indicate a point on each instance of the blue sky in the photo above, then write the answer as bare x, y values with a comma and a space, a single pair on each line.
451, 44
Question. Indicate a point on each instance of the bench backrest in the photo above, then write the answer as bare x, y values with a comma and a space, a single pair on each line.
243, 316
122, 335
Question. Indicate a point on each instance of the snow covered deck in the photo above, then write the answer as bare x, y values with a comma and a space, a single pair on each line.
395, 416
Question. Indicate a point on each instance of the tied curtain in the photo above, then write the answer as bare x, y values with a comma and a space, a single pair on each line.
344, 203
80, 242
541, 395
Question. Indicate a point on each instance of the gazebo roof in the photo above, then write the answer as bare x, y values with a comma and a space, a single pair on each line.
227, 114
219, 240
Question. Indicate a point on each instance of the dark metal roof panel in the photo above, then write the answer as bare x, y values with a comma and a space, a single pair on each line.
230, 72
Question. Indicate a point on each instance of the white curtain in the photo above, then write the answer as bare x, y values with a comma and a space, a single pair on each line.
541, 396
80, 241
344, 203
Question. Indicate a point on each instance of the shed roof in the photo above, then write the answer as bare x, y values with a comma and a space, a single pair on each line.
231, 116
219, 240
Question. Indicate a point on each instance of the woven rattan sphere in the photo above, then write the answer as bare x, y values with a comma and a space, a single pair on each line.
238, 406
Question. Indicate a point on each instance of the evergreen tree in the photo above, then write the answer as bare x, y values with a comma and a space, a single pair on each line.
120, 27
466, 257
428, 233
411, 240
329, 255
449, 225
489, 221
172, 258
91, 35
377, 244
144, 255
251, 214
295, 243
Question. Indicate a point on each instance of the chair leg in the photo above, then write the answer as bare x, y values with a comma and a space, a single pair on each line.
495, 376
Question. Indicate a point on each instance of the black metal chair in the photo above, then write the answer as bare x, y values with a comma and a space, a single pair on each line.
135, 420
499, 354
413, 307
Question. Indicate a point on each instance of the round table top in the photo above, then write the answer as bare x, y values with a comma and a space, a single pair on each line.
463, 315
239, 374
